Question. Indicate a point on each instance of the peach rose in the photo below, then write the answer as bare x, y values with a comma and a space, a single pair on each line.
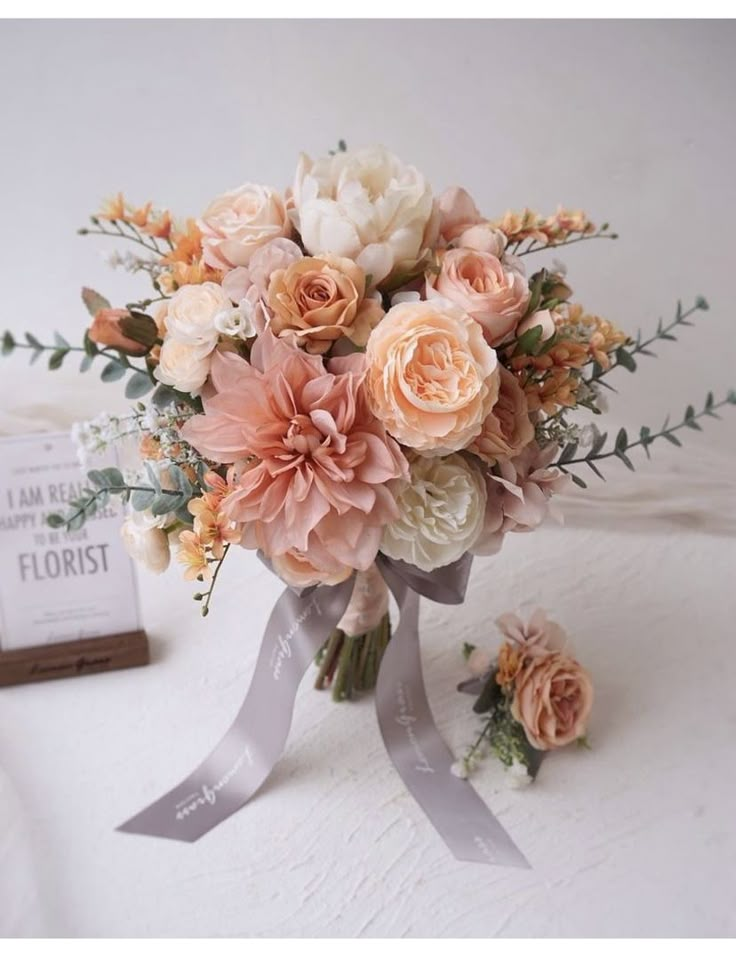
492, 292
507, 429
432, 378
552, 701
239, 222
106, 331
320, 299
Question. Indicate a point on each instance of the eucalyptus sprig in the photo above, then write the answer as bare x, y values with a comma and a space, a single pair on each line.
625, 355
622, 445
108, 482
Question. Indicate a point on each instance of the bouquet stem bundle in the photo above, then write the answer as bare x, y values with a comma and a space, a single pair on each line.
349, 665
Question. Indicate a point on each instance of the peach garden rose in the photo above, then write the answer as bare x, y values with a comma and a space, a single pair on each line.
432, 378
492, 292
319, 300
507, 429
552, 701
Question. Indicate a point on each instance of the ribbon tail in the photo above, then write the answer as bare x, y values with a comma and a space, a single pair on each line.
244, 758
420, 755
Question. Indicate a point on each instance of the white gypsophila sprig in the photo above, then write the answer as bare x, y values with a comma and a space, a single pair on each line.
98, 435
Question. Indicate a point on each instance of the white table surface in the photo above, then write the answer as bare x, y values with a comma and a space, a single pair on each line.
635, 837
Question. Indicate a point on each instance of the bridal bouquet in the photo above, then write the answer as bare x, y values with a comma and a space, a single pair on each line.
362, 381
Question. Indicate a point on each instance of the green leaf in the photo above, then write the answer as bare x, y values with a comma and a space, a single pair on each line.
598, 443
622, 440
625, 359
57, 358
164, 503
701, 303
32, 341
113, 476
163, 396
94, 301
90, 347
625, 459
578, 481
138, 385
142, 499
97, 478
568, 453
8, 343
468, 649
61, 342
152, 477
55, 520
595, 469
112, 371
85, 364
490, 696
528, 342
671, 438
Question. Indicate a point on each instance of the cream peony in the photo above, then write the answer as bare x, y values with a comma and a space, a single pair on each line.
183, 366
191, 315
432, 378
495, 294
363, 204
145, 541
239, 222
441, 512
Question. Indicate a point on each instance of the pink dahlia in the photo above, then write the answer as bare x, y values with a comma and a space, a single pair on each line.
319, 461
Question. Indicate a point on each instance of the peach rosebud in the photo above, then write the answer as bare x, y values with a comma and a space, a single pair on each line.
507, 429
552, 701
541, 318
493, 293
432, 379
106, 331
320, 299
483, 238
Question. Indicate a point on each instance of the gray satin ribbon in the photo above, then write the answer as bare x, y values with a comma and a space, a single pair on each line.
296, 630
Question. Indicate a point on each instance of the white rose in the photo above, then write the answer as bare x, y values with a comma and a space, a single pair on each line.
145, 541
441, 512
183, 366
364, 204
191, 313
239, 222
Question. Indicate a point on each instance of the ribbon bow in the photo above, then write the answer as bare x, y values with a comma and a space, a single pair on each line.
239, 765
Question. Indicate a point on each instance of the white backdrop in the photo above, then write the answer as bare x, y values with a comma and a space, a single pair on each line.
635, 123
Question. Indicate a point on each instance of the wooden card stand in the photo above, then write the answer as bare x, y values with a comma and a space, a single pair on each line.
75, 658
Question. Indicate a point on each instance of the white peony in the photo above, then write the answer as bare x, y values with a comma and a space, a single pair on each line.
363, 204
145, 541
441, 512
191, 313
183, 366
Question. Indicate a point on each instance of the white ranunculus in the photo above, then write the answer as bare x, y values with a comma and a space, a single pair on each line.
191, 313
441, 512
145, 541
363, 204
183, 366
